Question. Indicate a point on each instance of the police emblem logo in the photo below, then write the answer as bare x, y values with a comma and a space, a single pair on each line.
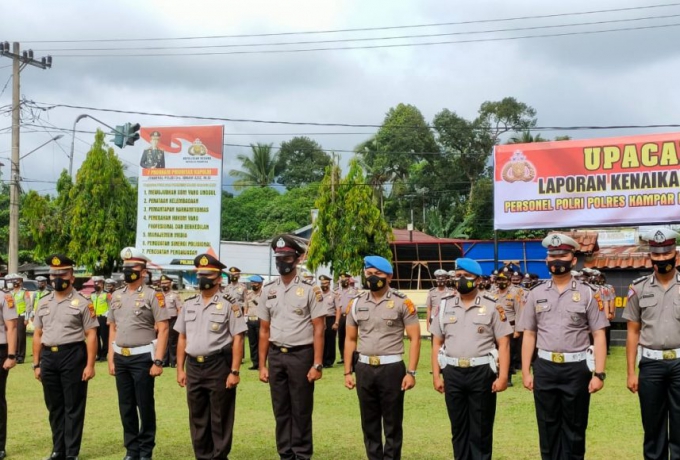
75, 302
133, 277
203, 262
281, 243
555, 241
659, 237
298, 311
576, 297
379, 284
390, 304
128, 254
299, 292
218, 306
56, 261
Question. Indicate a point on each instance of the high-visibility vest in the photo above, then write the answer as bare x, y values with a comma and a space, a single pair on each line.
20, 301
37, 296
100, 302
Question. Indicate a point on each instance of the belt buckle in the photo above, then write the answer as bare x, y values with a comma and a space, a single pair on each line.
200, 359
669, 354
54, 349
463, 362
374, 360
125, 351
283, 350
557, 357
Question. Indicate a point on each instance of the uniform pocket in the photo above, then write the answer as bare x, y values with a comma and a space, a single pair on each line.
217, 321
391, 318
577, 314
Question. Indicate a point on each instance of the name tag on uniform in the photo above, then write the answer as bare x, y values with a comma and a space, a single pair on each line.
647, 296
542, 301
271, 296
362, 309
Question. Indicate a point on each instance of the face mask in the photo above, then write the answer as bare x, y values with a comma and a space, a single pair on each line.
255, 287
97, 288
10, 285
664, 266
376, 283
60, 284
464, 285
448, 283
325, 287
502, 285
205, 283
441, 283
284, 267
165, 288
233, 279
131, 275
559, 267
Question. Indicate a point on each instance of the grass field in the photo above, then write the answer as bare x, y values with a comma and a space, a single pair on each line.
614, 430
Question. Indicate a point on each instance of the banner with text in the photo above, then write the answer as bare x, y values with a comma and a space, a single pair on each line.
613, 181
180, 194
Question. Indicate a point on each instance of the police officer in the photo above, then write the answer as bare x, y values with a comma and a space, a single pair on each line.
252, 299
557, 319
236, 289
511, 296
308, 276
332, 321
24, 306
435, 294
109, 285
173, 304
378, 320
466, 332
8, 357
342, 295
653, 314
41, 292
135, 356
291, 315
100, 299
153, 157
211, 328
64, 353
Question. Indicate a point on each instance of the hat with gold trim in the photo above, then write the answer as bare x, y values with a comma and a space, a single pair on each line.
234, 271
165, 278
59, 264
133, 256
208, 263
287, 245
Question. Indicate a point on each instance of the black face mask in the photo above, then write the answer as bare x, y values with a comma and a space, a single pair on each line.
464, 285
205, 283
376, 283
448, 283
441, 283
559, 267
344, 283
664, 266
503, 285
165, 288
284, 267
234, 279
97, 288
61, 284
131, 276
325, 288
255, 287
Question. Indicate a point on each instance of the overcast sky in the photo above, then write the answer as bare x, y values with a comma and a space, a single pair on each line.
627, 77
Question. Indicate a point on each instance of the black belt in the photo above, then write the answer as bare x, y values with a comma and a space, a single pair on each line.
211, 357
290, 349
512, 323
66, 346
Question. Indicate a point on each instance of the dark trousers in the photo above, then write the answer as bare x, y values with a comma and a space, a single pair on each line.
562, 404
253, 341
3, 397
21, 339
341, 336
136, 393
211, 408
515, 354
293, 401
608, 336
659, 392
65, 395
381, 404
329, 342
472, 409
171, 350
102, 338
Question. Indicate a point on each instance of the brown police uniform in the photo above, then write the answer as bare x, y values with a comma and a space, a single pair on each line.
329, 333
253, 322
563, 323
236, 291
341, 297
63, 358
173, 304
434, 298
8, 312
380, 369
135, 313
469, 336
290, 309
511, 300
209, 328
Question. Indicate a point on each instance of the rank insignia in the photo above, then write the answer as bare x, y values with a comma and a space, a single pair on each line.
576, 297
390, 304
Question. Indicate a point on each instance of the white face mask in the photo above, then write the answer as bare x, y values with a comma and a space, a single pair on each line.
10, 285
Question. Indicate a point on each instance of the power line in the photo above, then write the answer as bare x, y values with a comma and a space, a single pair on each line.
363, 29
365, 39
6, 83
344, 48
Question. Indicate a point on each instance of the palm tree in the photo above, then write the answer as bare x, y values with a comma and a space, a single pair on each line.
526, 138
377, 175
260, 170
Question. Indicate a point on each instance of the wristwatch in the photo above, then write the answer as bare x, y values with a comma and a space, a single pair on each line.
158, 362
12, 357
35, 366
318, 367
411, 373
600, 375
235, 372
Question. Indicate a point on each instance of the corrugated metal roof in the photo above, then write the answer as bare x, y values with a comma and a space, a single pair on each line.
585, 238
633, 257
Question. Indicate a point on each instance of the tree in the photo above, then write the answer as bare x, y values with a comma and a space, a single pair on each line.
260, 170
525, 137
104, 209
243, 214
349, 225
301, 161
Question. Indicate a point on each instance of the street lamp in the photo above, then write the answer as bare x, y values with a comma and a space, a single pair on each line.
55, 138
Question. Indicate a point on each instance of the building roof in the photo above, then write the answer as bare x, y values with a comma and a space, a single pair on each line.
402, 236
633, 257
585, 238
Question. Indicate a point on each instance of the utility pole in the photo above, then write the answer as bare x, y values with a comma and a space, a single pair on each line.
19, 62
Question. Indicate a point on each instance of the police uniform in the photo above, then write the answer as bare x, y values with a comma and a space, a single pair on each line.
342, 296
60, 352
511, 298
653, 309
8, 319
288, 311
380, 369
153, 157
235, 289
24, 306
173, 304
332, 319
468, 362
133, 314
253, 322
434, 295
208, 327
562, 323
101, 300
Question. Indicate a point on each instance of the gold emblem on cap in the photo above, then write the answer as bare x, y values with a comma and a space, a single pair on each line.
128, 254
56, 261
576, 297
390, 304
203, 262
300, 292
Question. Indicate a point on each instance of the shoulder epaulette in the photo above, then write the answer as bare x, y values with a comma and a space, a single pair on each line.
640, 279
308, 282
449, 296
401, 295
229, 298
540, 283
432, 289
269, 282
119, 288
490, 297
594, 287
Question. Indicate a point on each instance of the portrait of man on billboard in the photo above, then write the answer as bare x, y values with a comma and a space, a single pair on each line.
153, 157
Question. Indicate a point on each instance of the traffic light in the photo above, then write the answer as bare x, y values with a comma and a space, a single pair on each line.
126, 134
119, 136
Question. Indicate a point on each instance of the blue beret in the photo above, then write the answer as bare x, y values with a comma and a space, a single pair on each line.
256, 279
379, 263
469, 265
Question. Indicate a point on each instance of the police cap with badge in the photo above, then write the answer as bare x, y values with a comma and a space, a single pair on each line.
661, 240
559, 244
133, 257
287, 245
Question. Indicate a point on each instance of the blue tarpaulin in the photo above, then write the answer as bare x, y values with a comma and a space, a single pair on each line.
528, 255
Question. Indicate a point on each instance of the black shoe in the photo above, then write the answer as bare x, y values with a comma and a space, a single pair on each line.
253, 368
341, 362
128, 457
327, 366
55, 456
144, 458
3, 454
72, 458
20, 360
